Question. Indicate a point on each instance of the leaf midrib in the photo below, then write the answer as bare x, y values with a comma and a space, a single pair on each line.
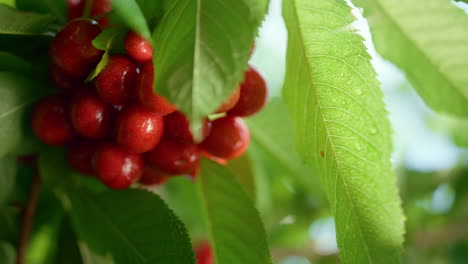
419, 48
352, 211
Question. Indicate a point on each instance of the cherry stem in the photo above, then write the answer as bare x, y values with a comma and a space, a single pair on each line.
29, 212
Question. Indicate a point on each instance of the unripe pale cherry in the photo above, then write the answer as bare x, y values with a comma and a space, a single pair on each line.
50, 121
147, 96
115, 83
177, 128
72, 49
153, 176
91, 117
229, 138
174, 158
139, 129
138, 47
117, 167
80, 156
253, 95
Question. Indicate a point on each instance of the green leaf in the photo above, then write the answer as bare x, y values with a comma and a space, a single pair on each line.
132, 15
58, 8
15, 22
201, 52
236, 231
425, 39
150, 8
132, 226
17, 93
13, 63
342, 129
7, 253
68, 250
7, 178
110, 40
242, 171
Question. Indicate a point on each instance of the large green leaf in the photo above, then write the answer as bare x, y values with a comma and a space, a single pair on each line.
132, 226
201, 51
58, 8
7, 253
132, 15
7, 178
10, 62
15, 22
17, 93
342, 129
426, 39
236, 231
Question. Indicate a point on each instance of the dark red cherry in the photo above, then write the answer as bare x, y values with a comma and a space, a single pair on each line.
139, 129
91, 117
177, 128
138, 47
64, 81
203, 253
80, 156
253, 95
117, 167
115, 84
230, 102
153, 176
229, 138
173, 157
98, 8
147, 96
50, 121
72, 49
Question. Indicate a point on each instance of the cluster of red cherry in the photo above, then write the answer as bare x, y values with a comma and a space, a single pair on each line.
117, 128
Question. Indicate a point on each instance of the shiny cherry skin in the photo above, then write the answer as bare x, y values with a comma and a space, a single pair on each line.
177, 128
80, 156
229, 138
139, 129
50, 121
147, 96
211, 157
138, 47
203, 253
99, 8
115, 84
117, 167
91, 117
153, 176
63, 81
253, 95
173, 157
72, 49
230, 102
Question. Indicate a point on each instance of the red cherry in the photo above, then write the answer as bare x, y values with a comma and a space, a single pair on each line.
139, 129
177, 128
64, 81
50, 121
116, 167
91, 117
153, 176
115, 84
253, 95
203, 253
174, 158
72, 49
210, 156
229, 138
80, 156
230, 102
147, 96
99, 7
138, 47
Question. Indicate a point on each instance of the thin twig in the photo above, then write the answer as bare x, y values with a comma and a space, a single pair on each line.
28, 216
